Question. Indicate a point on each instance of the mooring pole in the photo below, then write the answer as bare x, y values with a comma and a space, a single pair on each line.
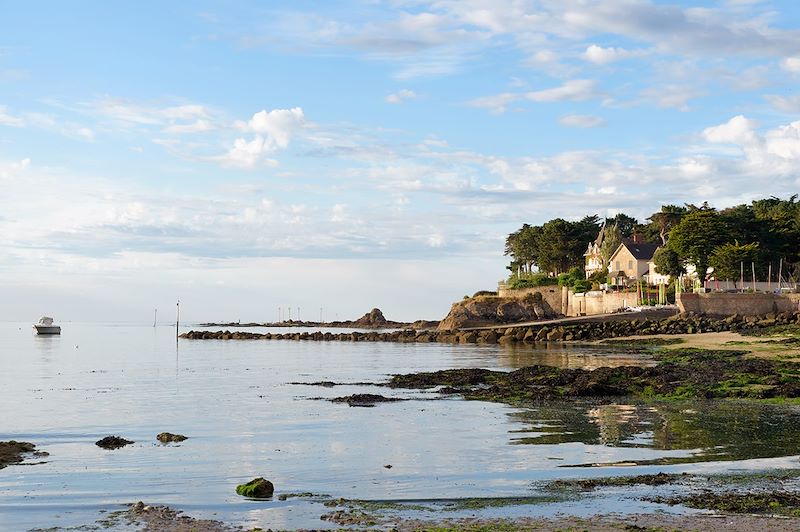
177, 318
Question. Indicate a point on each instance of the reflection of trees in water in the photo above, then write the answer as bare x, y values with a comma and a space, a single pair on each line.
722, 430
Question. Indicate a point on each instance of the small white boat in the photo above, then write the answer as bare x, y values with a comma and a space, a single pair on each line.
45, 326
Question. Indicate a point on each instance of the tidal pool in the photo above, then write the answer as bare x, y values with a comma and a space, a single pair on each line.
243, 419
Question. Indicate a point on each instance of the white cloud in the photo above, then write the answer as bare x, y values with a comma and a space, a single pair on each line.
437, 240
122, 110
583, 121
791, 64
738, 130
274, 130
786, 104
401, 96
174, 119
496, 103
246, 154
279, 124
198, 126
673, 96
603, 56
9, 120
573, 90
85, 132
11, 170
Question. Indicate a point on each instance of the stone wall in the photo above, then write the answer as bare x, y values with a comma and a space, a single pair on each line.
726, 304
596, 302
551, 296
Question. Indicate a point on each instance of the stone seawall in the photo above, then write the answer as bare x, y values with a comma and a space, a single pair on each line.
529, 334
726, 304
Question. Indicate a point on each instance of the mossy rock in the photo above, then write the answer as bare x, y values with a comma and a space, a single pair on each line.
258, 488
168, 437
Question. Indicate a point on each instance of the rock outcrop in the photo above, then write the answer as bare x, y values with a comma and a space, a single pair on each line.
494, 310
372, 319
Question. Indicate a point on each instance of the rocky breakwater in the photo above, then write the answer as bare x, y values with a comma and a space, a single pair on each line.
585, 331
374, 319
480, 310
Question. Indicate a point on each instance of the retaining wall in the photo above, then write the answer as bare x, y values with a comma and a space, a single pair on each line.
551, 296
725, 304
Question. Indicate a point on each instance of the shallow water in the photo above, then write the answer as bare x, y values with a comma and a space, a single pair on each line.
233, 400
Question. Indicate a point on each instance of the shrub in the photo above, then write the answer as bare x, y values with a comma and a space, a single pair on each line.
582, 285
484, 293
531, 280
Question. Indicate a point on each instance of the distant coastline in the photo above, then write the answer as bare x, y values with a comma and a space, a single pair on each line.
373, 319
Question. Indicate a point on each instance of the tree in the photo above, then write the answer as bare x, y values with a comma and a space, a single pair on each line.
557, 249
612, 237
554, 247
668, 217
696, 236
668, 262
727, 259
626, 224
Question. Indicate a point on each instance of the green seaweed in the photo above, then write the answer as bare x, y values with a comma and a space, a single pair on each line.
771, 502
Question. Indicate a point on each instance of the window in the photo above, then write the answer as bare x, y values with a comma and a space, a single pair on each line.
630, 264
616, 265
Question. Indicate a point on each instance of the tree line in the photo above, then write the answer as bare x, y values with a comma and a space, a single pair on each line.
763, 232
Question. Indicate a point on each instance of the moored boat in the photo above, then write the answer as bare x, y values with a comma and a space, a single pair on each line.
45, 325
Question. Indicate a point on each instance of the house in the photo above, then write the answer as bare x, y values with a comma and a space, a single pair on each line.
653, 277
594, 259
631, 261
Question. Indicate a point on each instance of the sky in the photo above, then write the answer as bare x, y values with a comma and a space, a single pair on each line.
331, 157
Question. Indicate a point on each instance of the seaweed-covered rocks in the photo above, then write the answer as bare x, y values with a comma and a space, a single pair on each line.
258, 488
14, 452
588, 329
680, 374
112, 442
365, 399
168, 437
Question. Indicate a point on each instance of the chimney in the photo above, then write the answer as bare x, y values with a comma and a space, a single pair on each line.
635, 238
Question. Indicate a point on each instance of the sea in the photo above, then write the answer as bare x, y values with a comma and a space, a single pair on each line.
249, 409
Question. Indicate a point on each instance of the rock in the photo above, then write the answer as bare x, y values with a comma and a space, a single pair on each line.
512, 311
258, 488
112, 442
373, 318
388, 466
168, 437
555, 334
365, 399
13, 452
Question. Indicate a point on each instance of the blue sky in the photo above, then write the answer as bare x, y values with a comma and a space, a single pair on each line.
343, 155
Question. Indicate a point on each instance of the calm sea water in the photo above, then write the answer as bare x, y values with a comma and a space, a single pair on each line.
243, 418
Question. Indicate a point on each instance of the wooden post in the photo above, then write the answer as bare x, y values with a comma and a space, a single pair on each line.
177, 318
780, 274
753, 266
741, 276
769, 278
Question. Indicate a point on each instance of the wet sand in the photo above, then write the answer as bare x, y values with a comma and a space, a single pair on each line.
759, 346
